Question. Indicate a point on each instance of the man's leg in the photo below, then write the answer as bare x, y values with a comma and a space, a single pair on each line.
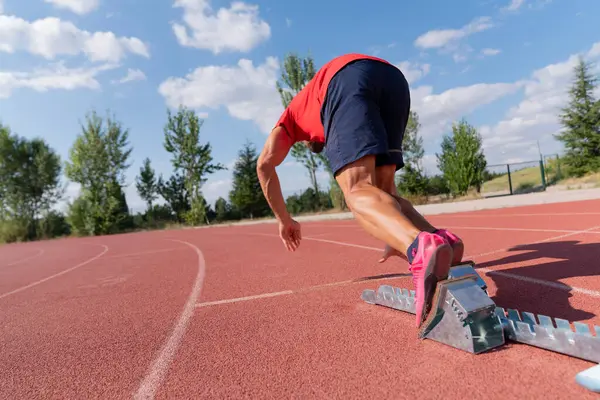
356, 137
385, 181
381, 215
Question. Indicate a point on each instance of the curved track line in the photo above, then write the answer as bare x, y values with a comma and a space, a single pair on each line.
160, 365
55, 275
42, 251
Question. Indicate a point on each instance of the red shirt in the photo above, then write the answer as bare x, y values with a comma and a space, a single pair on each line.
302, 117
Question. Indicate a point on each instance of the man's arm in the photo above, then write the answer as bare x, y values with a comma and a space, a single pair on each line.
276, 148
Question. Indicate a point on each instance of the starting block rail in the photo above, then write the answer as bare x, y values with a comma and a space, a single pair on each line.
464, 317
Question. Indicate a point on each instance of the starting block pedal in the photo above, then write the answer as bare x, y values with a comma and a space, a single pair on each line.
462, 316
467, 268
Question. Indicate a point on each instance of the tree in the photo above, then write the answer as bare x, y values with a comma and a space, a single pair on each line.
222, 210
296, 73
98, 161
247, 195
462, 161
174, 192
193, 160
412, 145
30, 173
581, 121
147, 184
412, 179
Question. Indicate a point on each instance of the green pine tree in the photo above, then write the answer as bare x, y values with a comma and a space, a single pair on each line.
247, 195
581, 122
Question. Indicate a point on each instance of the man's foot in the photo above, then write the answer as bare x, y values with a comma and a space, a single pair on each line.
430, 258
458, 247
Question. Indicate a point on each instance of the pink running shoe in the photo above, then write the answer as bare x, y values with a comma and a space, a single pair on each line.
431, 263
457, 244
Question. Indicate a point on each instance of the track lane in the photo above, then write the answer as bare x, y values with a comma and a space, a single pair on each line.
94, 332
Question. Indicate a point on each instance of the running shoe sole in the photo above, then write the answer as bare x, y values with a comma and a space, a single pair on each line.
438, 269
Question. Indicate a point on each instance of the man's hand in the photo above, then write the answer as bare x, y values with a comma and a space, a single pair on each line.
391, 252
290, 234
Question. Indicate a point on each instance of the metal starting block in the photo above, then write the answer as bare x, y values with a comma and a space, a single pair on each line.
463, 316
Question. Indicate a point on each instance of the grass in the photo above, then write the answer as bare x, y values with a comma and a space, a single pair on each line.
523, 180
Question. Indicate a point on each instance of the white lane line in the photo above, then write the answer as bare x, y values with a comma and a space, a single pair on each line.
593, 228
159, 367
56, 275
475, 228
508, 215
480, 228
144, 253
556, 285
22, 260
359, 246
246, 298
297, 291
522, 278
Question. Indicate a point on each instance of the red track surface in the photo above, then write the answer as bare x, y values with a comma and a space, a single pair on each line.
142, 314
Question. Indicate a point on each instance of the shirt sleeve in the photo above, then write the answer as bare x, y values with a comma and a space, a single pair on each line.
287, 121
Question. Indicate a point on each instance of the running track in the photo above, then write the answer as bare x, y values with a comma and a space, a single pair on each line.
227, 313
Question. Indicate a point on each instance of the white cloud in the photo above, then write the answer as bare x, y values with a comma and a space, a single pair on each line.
51, 37
247, 91
536, 116
490, 52
450, 41
213, 189
237, 28
132, 75
594, 51
413, 71
438, 111
514, 5
449, 38
56, 77
80, 7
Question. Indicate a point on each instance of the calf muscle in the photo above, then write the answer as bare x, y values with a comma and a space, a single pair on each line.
385, 181
376, 210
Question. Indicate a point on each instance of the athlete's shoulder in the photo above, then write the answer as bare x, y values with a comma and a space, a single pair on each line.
349, 57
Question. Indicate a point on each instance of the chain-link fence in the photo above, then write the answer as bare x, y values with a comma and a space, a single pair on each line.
515, 178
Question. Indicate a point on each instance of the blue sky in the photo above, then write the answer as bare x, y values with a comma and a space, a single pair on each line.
505, 65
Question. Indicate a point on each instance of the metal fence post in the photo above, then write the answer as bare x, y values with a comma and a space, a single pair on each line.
509, 179
542, 172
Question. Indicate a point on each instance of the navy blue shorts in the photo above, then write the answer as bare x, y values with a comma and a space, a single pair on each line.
365, 112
